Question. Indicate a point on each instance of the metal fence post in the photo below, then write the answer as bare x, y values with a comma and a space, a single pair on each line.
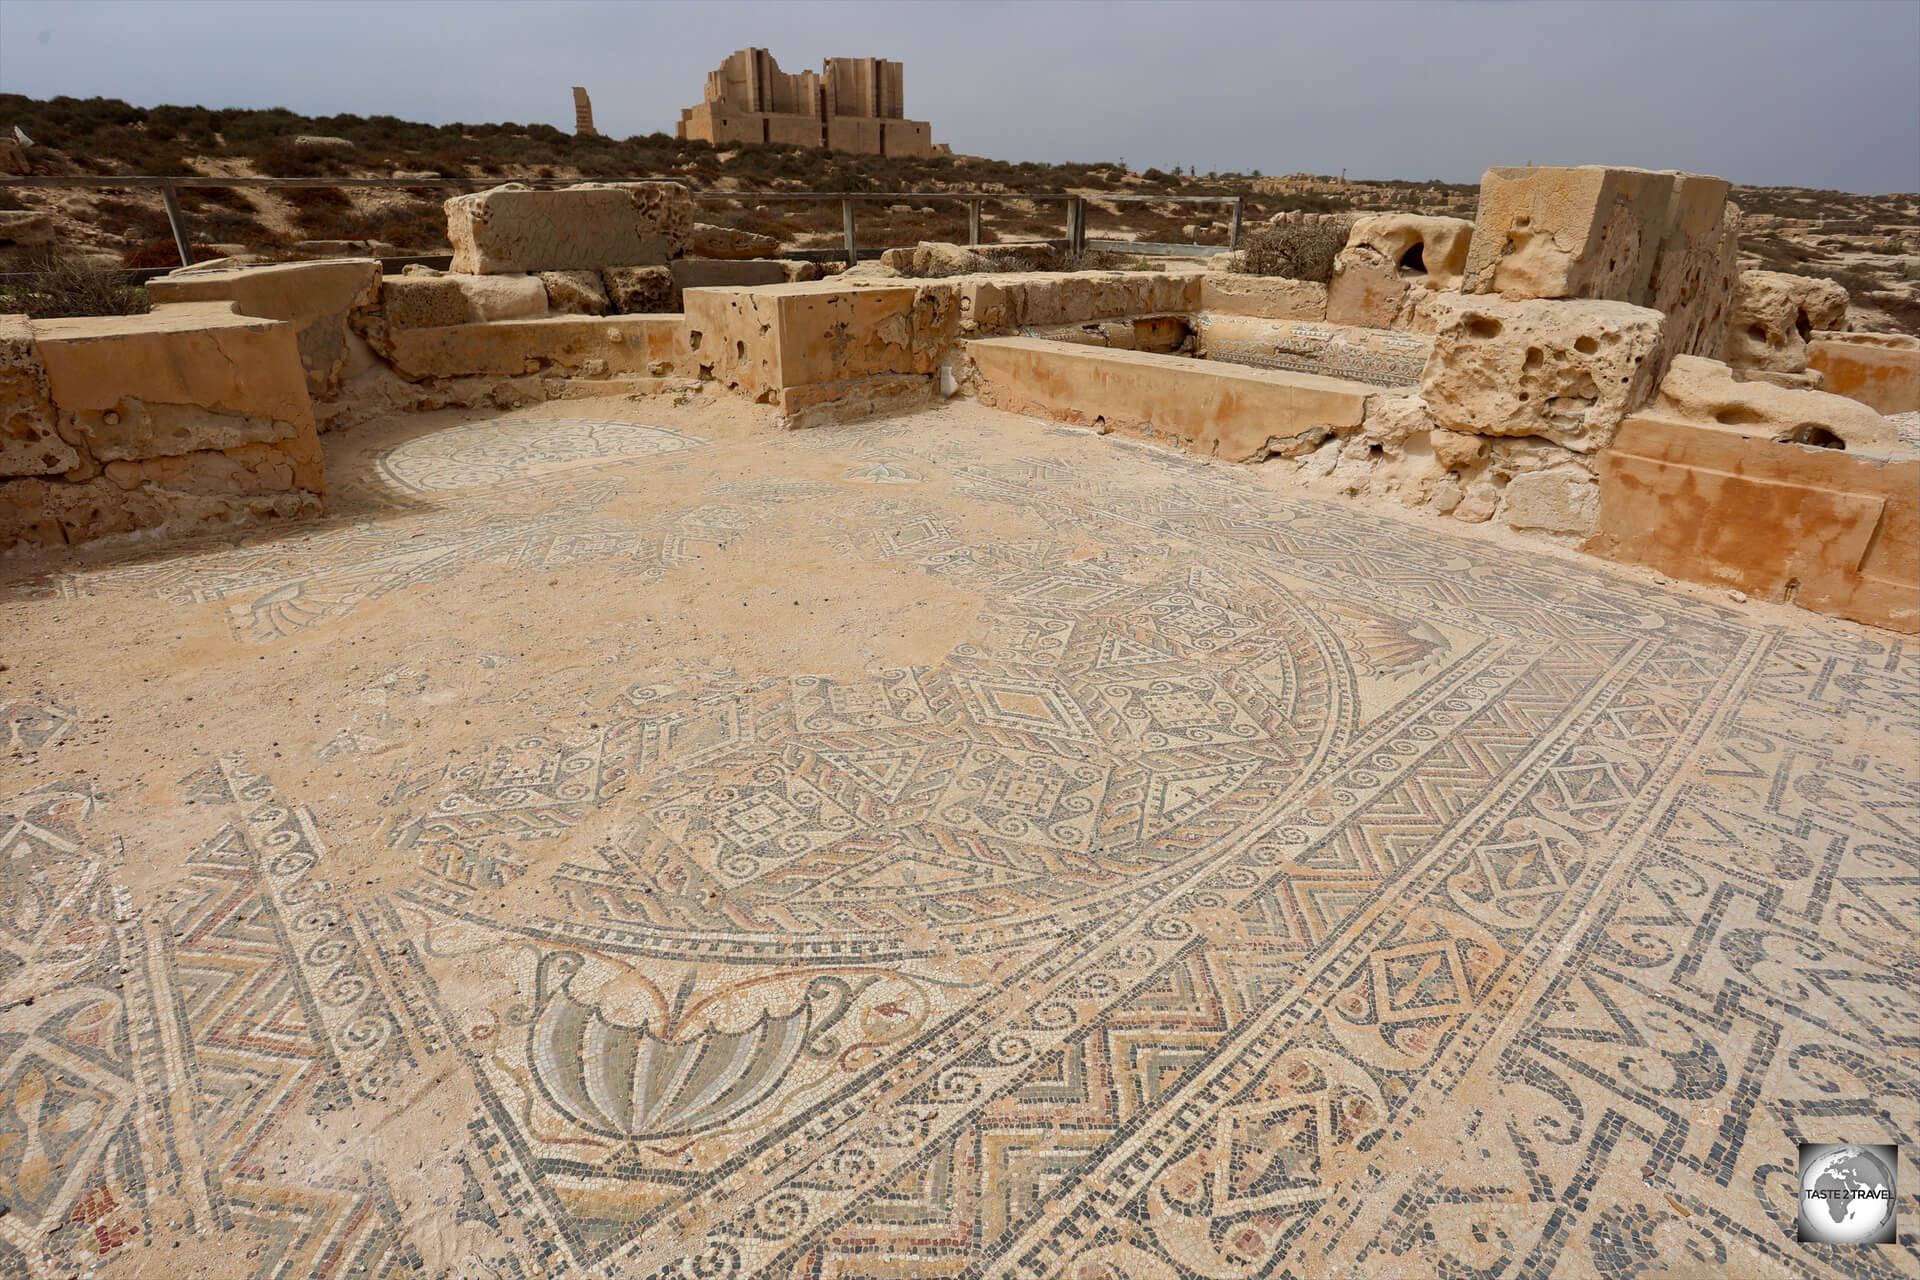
846, 224
179, 228
973, 223
1239, 212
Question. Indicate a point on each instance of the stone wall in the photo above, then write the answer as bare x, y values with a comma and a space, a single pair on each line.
187, 418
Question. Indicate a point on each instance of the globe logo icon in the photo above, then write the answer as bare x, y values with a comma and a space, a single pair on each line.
1847, 1193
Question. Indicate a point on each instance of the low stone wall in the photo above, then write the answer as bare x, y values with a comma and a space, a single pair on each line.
1836, 532
187, 418
1221, 411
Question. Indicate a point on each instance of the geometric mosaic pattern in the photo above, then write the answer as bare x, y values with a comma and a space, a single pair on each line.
1266, 888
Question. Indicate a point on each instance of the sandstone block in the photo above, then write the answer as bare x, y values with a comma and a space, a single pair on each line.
576, 293
1706, 392
640, 290
1389, 254
30, 445
422, 301
1655, 239
1455, 451
432, 302
726, 242
1568, 371
1562, 500
512, 229
1774, 315
1268, 297
1880, 370
319, 299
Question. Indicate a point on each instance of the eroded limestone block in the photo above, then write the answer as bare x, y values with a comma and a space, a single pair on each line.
513, 229
576, 293
321, 300
1706, 392
188, 415
1880, 370
726, 242
1656, 239
1568, 371
1389, 254
1775, 314
435, 301
29, 443
640, 290
1560, 500
1268, 297
422, 301
1453, 450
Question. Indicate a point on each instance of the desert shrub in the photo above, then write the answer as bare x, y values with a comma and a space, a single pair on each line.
284, 160
72, 287
144, 221
1295, 250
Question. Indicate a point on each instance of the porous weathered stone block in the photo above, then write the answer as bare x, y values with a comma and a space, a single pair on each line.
1568, 371
1388, 254
30, 445
1705, 391
641, 290
1656, 239
435, 301
1773, 316
576, 293
729, 242
513, 229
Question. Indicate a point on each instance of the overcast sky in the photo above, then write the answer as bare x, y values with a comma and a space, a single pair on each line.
1773, 92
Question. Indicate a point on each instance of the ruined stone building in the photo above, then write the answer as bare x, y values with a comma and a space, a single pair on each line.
851, 104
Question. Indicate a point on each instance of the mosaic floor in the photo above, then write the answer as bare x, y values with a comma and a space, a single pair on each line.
1104, 866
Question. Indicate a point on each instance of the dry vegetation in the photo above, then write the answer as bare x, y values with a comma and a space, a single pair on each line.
1870, 244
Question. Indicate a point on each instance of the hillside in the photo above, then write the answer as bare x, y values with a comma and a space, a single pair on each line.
1870, 244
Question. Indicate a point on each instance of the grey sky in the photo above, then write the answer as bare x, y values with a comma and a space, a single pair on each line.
1782, 91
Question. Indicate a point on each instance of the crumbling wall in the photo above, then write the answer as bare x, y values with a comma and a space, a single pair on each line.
186, 418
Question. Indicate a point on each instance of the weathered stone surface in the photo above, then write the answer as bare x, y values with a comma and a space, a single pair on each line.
1453, 450
1705, 391
932, 259
1389, 254
30, 445
1775, 313
322, 142
1656, 239
435, 301
1268, 297
187, 415
1218, 410
422, 301
1880, 370
321, 300
513, 229
1375, 356
1568, 371
1391, 420
1560, 500
727, 242
1830, 530
641, 290
563, 346
25, 227
576, 293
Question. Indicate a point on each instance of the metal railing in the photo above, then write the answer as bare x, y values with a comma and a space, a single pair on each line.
1076, 204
